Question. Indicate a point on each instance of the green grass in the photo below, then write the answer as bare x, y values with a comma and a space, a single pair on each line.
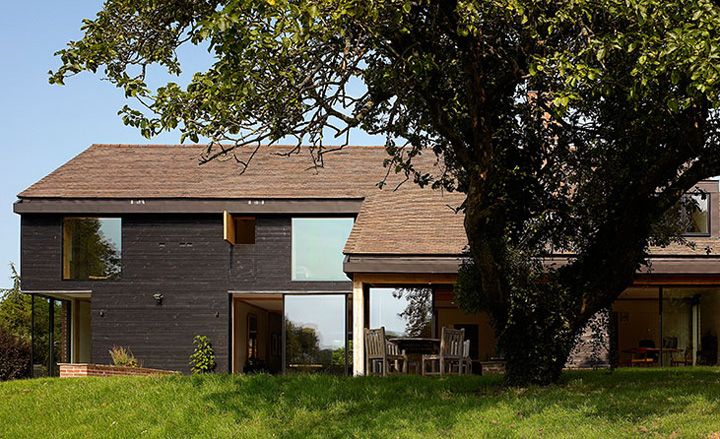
680, 402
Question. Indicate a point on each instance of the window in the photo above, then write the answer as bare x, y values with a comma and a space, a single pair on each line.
697, 214
317, 245
316, 341
404, 312
238, 229
91, 248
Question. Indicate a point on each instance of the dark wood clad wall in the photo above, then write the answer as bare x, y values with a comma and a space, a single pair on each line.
184, 258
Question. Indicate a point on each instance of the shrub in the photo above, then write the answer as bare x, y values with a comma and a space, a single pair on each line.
123, 357
14, 356
202, 359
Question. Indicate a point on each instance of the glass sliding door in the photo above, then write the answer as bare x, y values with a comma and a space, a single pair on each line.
680, 325
691, 325
667, 326
315, 333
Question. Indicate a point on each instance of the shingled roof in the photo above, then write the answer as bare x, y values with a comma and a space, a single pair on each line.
409, 220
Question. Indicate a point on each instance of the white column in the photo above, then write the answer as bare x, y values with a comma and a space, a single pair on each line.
358, 328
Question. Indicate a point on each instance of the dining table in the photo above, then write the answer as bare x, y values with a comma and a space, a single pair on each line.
415, 348
644, 353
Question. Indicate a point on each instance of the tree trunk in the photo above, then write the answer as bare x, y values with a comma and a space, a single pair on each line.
535, 340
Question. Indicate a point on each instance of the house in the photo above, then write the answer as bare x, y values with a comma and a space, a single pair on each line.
282, 266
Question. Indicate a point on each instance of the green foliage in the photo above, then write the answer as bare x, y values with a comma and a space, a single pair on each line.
418, 311
15, 331
638, 402
202, 360
15, 309
14, 356
122, 356
339, 356
571, 126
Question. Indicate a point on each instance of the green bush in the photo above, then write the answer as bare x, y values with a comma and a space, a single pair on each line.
14, 356
123, 357
202, 359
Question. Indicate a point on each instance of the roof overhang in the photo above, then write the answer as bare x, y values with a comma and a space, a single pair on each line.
188, 205
402, 264
663, 265
62, 294
690, 267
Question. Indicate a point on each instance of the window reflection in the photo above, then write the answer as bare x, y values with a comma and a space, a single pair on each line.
404, 312
315, 333
317, 245
696, 214
91, 248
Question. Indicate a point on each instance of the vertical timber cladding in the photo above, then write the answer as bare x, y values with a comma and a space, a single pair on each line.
184, 258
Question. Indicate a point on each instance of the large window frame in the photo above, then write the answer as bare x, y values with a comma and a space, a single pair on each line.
278, 342
68, 251
705, 198
295, 248
347, 325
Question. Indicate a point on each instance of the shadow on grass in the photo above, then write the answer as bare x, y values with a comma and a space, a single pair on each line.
331, 406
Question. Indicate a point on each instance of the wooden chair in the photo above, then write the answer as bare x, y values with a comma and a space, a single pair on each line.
466, 361
451, 353
379, 351
683, 359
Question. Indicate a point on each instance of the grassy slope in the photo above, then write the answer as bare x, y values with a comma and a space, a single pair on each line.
627, 403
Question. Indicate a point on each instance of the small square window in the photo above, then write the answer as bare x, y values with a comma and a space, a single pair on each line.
239, 229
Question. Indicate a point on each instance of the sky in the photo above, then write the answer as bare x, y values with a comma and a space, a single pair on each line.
43, 126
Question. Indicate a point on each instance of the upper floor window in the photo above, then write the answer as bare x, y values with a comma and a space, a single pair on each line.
92, 248
238, 229
698, 214
317, 245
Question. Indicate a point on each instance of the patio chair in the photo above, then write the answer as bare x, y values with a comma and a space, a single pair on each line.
380, 352
466, 364
684, 358
451, 353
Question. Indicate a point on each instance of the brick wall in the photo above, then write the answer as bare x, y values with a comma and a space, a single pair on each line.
592, 344
76, 370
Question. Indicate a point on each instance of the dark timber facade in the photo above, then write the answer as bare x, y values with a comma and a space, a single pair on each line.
184, 258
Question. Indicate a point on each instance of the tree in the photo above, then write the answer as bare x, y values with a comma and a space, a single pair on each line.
15, 309
15, 331
571, 126
418, 311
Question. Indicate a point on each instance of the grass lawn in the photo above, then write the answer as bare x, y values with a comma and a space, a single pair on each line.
679, 402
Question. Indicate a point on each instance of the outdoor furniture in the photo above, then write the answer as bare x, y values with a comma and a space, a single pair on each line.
381, 352
685, 359
466, 361
415, 348
649, 356
417, 345
649, 348
642, 356
451, 353
465, 365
